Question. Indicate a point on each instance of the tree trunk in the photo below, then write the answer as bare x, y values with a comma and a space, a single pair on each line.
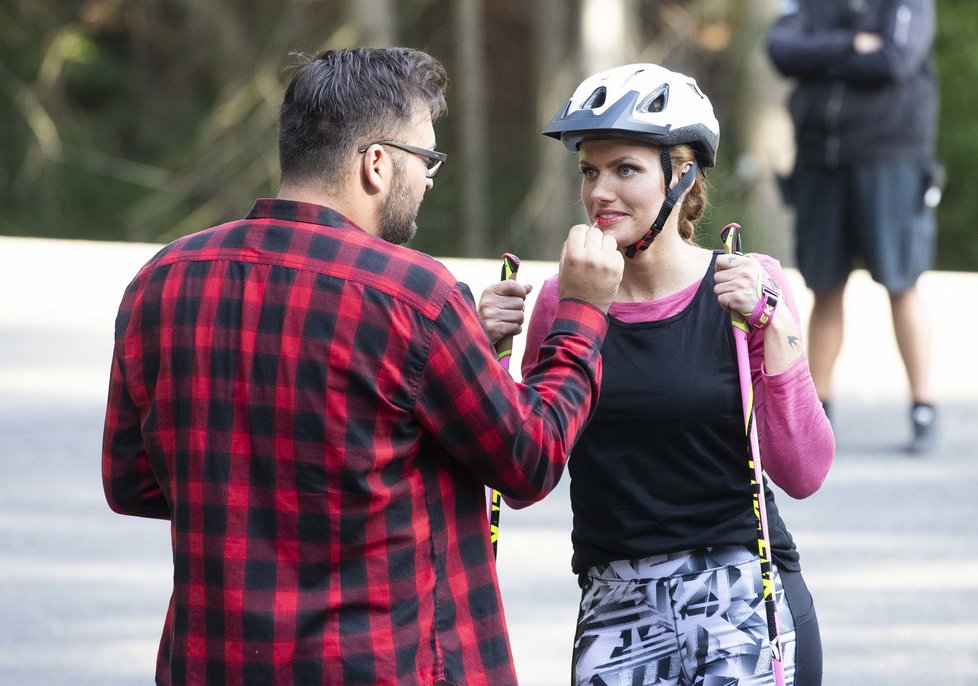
549, 208
767, 135
608, 33
374, 22
473, 133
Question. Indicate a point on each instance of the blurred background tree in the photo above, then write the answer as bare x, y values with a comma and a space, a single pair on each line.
145, 120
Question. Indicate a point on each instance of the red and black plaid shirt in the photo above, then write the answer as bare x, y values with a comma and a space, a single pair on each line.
317, 412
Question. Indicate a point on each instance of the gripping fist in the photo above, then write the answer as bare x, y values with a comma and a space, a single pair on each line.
590, 267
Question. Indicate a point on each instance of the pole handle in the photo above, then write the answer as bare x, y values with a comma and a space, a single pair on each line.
504, 351
730, 235
504, 346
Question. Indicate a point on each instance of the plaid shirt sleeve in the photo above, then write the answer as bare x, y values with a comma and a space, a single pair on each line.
132, 488
490, 430
513, 437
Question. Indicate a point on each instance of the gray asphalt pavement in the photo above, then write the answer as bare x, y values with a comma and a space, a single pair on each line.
889, 544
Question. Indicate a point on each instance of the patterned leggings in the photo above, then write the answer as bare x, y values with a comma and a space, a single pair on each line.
694, 618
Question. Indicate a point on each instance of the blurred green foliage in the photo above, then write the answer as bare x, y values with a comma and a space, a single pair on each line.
146, 121
957, 63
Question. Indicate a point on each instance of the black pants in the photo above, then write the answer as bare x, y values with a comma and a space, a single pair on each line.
808, 661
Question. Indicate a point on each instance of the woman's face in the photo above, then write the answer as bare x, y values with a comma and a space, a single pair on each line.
621, 187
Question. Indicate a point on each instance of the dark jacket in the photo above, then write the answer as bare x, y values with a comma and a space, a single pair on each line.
849, 107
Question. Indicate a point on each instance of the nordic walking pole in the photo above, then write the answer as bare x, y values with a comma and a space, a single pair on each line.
504, 350
731, 242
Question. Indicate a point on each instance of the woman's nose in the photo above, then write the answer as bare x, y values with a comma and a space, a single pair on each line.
602, 188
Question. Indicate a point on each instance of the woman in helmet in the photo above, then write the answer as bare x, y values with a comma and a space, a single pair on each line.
664, 534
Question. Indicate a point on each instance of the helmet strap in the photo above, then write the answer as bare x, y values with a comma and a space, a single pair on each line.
672, 197
666, 160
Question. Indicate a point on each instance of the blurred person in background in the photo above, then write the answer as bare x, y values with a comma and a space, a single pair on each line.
865, 182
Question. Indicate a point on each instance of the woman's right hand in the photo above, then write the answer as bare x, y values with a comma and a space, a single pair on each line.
590, 267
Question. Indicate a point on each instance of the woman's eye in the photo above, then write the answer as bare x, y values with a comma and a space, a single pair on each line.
589, 173
627, 170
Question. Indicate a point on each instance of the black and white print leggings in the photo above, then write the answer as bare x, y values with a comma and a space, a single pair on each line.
694, 618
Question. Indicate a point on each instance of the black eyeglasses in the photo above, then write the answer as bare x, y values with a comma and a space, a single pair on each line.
433, 159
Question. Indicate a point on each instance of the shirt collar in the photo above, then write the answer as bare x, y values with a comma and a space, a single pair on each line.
294, 211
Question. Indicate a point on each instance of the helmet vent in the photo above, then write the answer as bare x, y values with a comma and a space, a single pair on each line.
596, 99
655, 101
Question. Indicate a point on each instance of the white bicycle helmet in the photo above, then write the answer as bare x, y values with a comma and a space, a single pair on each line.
644, 102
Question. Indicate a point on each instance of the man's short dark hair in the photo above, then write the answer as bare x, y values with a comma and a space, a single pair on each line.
341, 99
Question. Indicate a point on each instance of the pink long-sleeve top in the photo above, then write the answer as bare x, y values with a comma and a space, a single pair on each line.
794, 435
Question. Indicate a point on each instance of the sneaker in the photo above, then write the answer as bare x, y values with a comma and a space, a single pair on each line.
924, 419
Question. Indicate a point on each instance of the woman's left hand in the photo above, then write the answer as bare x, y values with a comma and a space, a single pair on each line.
737, 283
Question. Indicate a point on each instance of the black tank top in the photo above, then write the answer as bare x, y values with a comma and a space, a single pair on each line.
662, 466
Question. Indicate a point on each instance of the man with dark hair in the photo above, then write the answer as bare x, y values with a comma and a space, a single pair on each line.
318, 410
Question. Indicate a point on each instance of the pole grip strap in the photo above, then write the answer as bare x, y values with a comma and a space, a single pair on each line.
766, 305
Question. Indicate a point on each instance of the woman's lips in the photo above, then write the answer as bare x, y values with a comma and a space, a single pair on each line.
608, 218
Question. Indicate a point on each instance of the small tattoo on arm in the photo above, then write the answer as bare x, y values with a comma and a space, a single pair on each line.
794, 342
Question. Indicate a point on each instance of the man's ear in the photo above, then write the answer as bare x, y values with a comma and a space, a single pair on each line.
375, 169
